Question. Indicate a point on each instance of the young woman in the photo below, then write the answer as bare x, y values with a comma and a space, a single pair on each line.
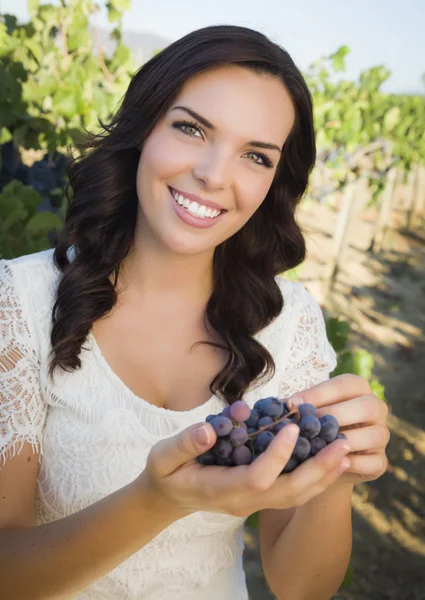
180, 224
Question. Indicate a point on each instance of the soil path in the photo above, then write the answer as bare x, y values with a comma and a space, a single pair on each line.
383, 299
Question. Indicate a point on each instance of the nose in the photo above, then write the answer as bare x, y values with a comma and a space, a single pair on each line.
213, 169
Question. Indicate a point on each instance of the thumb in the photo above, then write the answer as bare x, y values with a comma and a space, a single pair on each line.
168, 455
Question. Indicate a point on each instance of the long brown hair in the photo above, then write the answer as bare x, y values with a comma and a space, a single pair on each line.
101, 214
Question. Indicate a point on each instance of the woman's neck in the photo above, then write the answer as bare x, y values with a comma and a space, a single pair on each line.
155, 275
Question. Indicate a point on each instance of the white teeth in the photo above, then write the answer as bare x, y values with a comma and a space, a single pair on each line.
198, 210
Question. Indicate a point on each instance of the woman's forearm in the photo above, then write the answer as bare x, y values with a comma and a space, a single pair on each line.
61, 558
310, 557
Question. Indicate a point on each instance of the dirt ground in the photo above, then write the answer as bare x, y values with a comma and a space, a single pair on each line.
383, 298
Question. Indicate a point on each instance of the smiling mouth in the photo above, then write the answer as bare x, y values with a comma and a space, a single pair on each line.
196, 210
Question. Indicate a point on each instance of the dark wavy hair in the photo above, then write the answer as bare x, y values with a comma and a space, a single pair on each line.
101, 214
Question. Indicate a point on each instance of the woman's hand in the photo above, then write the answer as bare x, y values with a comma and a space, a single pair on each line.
174, 476
362, 418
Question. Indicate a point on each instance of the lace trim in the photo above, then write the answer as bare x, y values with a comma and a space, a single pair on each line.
22, 408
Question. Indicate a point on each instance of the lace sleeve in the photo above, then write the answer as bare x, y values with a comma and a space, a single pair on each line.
22, 407
311, 357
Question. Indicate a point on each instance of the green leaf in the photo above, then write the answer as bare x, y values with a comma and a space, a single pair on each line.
5, 135
65, 102
121, 5
113, 14
43, 223
338, 58
348, 578
32, 6
253, 521
392, 117
363, 363
378, 389
121, 56
294, 274
337, 331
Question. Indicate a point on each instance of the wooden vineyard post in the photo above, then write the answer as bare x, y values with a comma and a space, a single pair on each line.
340, 235
384, 212
419, 202
412, 188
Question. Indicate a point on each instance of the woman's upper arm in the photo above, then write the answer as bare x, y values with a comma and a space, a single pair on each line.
18, 480
272, 523
22, 405
311, 360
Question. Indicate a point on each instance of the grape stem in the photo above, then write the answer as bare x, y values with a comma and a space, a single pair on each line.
294, 411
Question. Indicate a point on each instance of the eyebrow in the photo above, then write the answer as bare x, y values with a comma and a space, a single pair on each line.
209, 125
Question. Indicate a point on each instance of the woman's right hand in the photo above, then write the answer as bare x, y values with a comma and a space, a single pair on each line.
175, 477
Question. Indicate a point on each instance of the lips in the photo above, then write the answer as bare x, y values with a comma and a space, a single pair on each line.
198, 199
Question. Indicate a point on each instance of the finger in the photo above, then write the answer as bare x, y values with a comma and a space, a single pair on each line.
339, 388
367, 438
307, 476
171, 453
268, 466
371, 465
363, 409
326, 481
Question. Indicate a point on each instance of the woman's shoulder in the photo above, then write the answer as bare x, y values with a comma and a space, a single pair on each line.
28, 286
33, 270
295, 294
42, 257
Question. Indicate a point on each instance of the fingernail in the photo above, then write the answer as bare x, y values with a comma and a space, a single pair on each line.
291, 432
202, 436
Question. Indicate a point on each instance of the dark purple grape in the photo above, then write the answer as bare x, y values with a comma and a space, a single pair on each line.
302, 448
285, 408
258, 404
341, 436
251, 430
328, 431
223, 448
307, 409
244, 425
253, 418
207, 458
240, 411
272, 407
262, 440
292, 464
242, 455
317, 444
222, 426
238, 436
226, 412
309, 427
265, 421
329, 419
279, 426
224, 462
210, 418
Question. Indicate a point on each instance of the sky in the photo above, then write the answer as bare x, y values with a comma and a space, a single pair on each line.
378, 32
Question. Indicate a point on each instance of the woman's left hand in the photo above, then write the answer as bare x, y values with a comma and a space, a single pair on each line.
362, 417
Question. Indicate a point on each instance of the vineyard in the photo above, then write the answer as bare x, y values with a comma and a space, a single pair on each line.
363, 216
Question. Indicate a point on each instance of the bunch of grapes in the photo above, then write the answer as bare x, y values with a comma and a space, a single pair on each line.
243, 434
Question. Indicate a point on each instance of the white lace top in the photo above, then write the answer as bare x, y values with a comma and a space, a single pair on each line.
94, 434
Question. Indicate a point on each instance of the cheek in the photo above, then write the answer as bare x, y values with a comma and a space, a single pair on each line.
163, 158
252, 192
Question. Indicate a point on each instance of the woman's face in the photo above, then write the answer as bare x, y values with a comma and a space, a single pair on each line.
214, 155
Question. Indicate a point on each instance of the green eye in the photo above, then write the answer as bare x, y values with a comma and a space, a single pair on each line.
182, 125
264, 158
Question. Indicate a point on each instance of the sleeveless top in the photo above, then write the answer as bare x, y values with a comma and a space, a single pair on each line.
94, 434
